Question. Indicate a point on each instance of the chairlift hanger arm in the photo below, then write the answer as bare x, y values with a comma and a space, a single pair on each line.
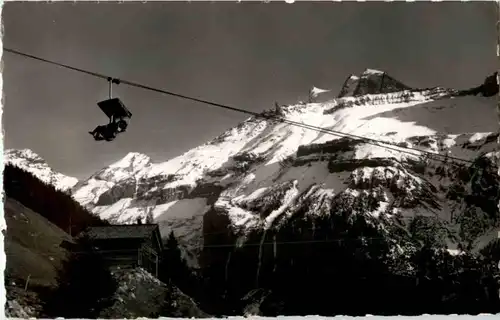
111, 81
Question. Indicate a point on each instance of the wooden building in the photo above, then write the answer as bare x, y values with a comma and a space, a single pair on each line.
134, 245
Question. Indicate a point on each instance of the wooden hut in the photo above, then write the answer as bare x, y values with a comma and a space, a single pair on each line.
128, 246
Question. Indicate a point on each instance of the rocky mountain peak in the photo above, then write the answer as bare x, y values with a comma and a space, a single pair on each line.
371, 81
31, 162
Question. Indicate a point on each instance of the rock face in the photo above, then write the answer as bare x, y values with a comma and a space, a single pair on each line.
371, 82
488, 89
33, 163
349, 86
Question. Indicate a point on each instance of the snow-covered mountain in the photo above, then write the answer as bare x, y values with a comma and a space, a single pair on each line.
33, 163
262, 172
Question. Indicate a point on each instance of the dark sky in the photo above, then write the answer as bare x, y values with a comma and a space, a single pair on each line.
243, 54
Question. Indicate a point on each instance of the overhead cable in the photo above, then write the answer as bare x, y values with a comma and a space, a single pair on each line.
380, 143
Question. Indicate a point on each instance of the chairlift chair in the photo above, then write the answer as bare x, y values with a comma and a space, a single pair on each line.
116, 111
119, 116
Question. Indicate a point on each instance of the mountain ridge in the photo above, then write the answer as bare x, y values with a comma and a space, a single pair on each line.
28, 160
261, 171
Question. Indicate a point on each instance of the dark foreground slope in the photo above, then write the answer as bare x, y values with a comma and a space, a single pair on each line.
32, 246
40, 276
34, 258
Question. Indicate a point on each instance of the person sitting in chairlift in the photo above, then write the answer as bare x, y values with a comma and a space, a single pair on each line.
118, 120
119, 123
105, 132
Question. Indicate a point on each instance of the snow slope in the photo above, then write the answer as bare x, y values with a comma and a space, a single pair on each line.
260, 172
33, 163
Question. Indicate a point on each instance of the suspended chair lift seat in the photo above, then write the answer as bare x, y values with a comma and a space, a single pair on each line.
114, 107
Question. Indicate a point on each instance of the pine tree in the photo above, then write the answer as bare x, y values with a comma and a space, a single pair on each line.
172, 259
174, 268
174, 271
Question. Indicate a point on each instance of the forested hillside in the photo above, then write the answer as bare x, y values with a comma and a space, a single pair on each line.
56, 206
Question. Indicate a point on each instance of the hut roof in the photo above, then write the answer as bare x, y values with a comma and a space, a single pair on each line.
139, 231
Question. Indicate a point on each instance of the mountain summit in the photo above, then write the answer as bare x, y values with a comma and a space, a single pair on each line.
371, 81
31, 162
